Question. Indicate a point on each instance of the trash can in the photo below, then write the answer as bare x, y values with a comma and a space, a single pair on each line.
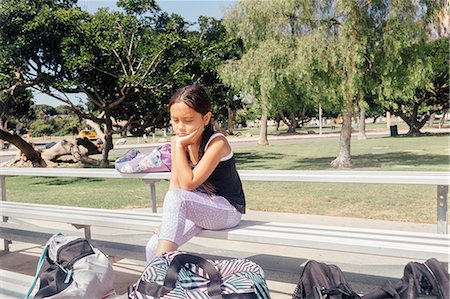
394, 130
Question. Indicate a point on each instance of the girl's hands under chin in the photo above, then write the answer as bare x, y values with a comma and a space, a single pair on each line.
192, 138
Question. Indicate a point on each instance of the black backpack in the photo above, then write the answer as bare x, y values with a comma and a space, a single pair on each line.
427, 280
320, 281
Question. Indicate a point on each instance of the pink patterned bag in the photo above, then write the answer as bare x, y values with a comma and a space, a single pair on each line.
133, 161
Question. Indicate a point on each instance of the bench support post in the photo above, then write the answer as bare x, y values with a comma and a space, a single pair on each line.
4, 218
152, 183
87, 231
442, 209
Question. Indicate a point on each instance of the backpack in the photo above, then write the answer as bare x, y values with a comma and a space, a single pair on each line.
320, 281
427, 280
159, 160
76, 270
178, 275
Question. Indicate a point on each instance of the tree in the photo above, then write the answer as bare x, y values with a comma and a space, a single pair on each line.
213, 47
42, 110
253, 74
13, 108
31, 35
325, 45
268, 32
113, 58
413, 71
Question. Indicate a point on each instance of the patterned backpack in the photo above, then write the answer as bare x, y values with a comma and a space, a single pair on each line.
177, 275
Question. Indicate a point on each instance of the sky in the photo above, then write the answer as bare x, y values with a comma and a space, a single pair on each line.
189, 10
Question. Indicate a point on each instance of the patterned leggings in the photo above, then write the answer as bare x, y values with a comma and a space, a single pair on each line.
186, 213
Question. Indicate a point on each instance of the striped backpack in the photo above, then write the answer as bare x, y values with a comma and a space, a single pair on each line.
178, 275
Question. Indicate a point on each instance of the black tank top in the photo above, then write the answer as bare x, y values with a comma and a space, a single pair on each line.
226, 182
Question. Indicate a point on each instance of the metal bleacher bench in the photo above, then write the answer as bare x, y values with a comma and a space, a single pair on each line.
417, 245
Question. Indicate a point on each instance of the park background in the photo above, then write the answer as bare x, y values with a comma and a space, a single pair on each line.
320, 70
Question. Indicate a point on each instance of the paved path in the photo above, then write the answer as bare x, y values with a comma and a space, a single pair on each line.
6, 155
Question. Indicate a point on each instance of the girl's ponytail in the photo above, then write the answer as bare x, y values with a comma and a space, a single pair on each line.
209, 131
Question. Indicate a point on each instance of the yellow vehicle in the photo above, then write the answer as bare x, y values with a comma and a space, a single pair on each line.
91, 135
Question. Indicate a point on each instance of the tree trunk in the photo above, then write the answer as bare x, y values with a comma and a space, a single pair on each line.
412, 122
375, 119
108, 141
344, 160
444, 116
293, 121
230, 121
27, 149
362, 121
431, 120
263, 129
283, 119
443, 19
3, 126
414, 128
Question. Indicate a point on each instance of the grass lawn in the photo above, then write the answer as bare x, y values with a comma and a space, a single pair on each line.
426, 153
389, 202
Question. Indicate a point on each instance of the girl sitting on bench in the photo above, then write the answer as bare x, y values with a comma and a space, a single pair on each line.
205, 188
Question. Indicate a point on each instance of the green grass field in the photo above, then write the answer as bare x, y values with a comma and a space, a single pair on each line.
426, 153
388, 202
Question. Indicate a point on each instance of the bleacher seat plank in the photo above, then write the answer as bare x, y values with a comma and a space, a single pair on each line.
357, 240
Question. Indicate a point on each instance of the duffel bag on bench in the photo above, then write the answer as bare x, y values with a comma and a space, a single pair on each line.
178, 275
76, 270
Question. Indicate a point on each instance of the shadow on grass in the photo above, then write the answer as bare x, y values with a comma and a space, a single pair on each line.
405, 158
249, 157
50, 181
375, 161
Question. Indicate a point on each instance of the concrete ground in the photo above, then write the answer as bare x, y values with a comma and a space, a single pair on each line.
282, 265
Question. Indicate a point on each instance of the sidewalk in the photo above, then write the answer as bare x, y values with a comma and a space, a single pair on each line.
282, 265
271, 138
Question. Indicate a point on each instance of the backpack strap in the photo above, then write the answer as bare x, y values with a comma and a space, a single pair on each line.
390, 290
40, 263
38, 271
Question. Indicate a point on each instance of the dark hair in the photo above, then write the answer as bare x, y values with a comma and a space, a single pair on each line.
196, 97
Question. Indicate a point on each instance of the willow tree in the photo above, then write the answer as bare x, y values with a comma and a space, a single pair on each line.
324, 44
257, 73
268, 31
350, 48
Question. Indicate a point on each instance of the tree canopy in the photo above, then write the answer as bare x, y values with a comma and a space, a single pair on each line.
288, 55
125, 63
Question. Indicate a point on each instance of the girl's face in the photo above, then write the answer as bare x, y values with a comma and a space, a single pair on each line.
186, 120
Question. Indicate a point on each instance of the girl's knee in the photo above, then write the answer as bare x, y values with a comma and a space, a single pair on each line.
174, 197
150, 248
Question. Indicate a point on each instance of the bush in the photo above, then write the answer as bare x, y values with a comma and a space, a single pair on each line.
41, 127
67, 125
